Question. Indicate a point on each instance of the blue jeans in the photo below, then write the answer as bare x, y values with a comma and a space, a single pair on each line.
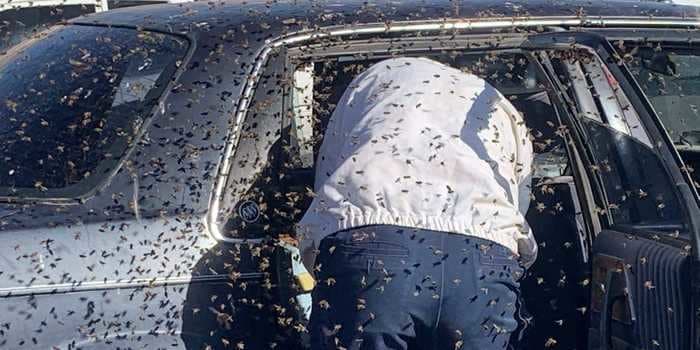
390, 287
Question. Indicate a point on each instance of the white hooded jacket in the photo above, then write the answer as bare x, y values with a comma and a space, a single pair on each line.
416, 143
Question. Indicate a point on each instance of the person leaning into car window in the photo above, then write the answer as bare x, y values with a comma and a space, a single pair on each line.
417, 226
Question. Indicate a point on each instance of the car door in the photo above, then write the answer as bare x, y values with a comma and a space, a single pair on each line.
643, 257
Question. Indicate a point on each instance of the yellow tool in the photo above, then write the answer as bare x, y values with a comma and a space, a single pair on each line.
305, 281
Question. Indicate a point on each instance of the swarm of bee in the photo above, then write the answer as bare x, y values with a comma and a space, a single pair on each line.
152, 238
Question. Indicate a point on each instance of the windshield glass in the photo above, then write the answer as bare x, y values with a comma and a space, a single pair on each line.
71, 103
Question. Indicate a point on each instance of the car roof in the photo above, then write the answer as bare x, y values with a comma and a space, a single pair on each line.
200, 16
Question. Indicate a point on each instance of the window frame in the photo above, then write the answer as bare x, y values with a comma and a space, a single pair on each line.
448, 26
517, 42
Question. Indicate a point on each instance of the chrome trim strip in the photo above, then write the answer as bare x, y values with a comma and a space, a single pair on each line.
117, 284
224, 168
489, 23
398, 27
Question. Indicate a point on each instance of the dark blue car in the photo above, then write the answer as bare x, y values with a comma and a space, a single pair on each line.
154, 161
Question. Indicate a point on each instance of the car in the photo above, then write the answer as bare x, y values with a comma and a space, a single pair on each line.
155, 160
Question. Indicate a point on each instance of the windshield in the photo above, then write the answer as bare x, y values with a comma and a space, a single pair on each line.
71, 103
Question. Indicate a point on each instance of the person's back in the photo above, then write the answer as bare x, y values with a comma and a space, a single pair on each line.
421, 187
